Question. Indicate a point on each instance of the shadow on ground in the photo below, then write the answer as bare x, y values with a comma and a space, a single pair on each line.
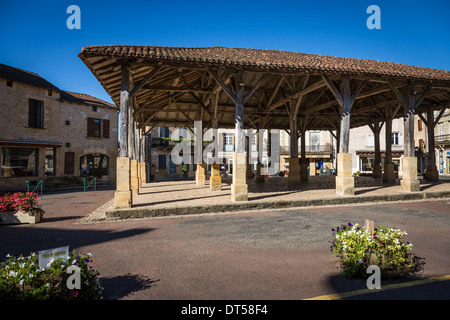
121, 286
29, 239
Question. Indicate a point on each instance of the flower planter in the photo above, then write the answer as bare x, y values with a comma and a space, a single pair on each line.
18, 217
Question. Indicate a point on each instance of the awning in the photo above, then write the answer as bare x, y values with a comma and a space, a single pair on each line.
31, 143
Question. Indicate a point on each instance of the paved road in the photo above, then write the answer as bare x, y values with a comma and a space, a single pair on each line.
268, 255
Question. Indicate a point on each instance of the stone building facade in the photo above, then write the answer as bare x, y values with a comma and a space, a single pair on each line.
44, 131
319, 150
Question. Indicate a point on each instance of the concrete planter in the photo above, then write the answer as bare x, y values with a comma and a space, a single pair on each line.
18, 217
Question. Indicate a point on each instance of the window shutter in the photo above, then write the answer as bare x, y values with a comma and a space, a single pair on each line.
105, 129
69, 162
32, 113
90, 127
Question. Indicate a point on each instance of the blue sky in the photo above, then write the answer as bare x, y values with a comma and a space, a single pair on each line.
34, 36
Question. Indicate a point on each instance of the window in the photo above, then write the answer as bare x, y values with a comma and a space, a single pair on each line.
9, 83
164, 133
19, 162
97, 128
228, 144
397, 139
67, 144
254, 142
370, 140
419, 125
35, 114
162, 161
67, 122
49, 93
49, 161
314, 141
94, 109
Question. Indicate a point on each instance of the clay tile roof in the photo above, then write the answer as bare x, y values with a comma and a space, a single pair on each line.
82, 98
25, 77
269, 60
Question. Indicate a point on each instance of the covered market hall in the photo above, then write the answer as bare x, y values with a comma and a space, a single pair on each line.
268, 90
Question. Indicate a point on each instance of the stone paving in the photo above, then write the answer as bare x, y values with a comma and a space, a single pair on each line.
184, 195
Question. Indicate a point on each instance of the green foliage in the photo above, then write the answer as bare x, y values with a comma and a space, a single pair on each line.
354, 246
21, 278
184, 168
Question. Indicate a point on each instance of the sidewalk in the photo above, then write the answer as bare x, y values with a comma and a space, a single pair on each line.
185, 197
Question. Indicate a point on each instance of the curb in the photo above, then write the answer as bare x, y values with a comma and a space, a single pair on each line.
277, 204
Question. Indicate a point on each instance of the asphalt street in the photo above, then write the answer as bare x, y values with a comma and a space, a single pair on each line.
278, 254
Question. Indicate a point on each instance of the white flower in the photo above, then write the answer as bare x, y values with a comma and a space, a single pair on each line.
360, 261
31, 275
22, 265
47, 284
89, 254
13, 274
8, 255
21, 282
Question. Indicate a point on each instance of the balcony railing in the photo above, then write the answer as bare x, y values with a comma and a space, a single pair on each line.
442, 139
310, 149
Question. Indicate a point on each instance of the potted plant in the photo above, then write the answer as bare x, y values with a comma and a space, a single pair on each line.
357, 248
184, 169
20, 207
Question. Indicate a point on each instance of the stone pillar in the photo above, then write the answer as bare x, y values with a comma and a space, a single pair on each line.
259, 176
142, 176
200, 178
250, 174
215, 182
294, 172
239, 189
409, 180
123, 195
134, 176
345, 182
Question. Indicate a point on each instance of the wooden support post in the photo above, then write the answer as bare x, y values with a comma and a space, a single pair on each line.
432, 173
123, 194
259, 166
409, 180
376, 129
294, 167
345, 184
304, 162
388, 174
239, 189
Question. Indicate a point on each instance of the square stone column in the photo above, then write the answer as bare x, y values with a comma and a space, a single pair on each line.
389, 174
142, 176
134, 176
259, 175
215, 182
304, 163
239, 188
200, 178
409, 180
345, 182
123, 195
294, 172
377, 172
432, 173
